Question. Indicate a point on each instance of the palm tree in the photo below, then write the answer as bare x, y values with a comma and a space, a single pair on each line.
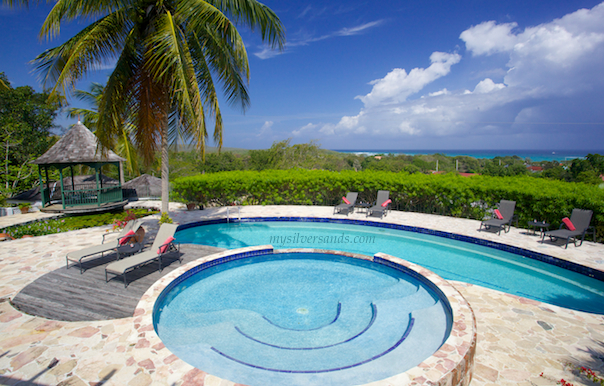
124, 146
167, 53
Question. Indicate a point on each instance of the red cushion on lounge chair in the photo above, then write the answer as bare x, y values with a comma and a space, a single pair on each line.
126, 239
498, 214
385, 204
568, 224
165, 245
345, 200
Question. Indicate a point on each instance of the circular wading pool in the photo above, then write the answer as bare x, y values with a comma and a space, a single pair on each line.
303, 318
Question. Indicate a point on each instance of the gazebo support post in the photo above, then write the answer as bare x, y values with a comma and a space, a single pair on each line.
72, 182
47, 184
98, 190
62, 187
41, 185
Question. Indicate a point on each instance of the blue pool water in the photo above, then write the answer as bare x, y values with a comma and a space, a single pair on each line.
451, 259
302, 319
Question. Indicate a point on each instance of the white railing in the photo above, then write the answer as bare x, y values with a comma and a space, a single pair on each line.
238, 213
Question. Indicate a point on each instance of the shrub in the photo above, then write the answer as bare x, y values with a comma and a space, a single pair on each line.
447, 194
64, 224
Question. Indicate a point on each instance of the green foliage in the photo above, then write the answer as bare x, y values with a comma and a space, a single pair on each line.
47, 227
282, 155
26, 118
447, 194
221, 162
165, 219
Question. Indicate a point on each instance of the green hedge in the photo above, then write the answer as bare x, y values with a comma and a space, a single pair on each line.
448, 194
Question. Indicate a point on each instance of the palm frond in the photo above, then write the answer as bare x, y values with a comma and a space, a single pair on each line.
170, 59
67, 10
255, 15
65, 65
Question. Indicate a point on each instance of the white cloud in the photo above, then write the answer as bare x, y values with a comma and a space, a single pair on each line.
265, 129
267, 53
553, 76
304, 129
487, 85
397, 85
358, 29
444, 91
488, 38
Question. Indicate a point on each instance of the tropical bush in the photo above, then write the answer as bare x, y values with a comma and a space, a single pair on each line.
448, 194
64, 224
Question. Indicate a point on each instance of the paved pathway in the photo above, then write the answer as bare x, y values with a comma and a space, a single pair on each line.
518, 339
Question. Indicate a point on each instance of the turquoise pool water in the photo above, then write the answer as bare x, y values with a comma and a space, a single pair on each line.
302, 319
451, 259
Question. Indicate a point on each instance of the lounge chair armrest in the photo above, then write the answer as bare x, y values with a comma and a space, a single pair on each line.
174, 244
119, 239
107, 234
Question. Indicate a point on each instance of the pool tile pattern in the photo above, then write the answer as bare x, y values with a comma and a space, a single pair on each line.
517, 338
450, 365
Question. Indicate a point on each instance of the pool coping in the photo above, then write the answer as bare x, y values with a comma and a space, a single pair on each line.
451, 364
562, 263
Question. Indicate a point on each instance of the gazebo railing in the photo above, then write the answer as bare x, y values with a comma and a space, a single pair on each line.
92, 196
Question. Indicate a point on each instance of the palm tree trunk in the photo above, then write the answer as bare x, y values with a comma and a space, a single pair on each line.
165, 169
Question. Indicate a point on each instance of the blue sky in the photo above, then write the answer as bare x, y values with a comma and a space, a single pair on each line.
436, 75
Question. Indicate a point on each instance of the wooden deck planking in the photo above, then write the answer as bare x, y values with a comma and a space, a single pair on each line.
67, 295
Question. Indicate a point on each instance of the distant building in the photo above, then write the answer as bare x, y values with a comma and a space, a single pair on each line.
534, 169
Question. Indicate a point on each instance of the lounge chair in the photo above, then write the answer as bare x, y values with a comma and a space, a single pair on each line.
351, 197
506, 209
110, 246
163, 245
381, 205
580, 219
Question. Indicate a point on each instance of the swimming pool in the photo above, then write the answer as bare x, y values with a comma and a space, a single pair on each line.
451, 259
303, 318
298, 317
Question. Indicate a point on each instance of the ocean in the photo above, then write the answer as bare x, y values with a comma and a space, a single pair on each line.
533, 155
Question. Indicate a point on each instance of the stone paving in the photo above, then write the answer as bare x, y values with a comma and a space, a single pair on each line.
518, 339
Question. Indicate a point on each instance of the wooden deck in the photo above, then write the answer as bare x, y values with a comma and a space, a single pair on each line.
67, 295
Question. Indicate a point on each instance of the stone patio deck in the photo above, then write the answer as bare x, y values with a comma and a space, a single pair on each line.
518, 339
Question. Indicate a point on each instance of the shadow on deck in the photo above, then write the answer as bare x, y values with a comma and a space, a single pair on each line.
66, 295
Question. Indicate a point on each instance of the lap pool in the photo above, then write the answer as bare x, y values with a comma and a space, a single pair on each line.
452, 259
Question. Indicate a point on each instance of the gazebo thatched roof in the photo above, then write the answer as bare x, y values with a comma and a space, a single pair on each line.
78, 145
143, 186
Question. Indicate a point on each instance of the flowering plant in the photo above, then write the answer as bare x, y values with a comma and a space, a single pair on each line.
120, 224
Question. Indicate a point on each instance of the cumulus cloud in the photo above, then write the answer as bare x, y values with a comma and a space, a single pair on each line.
488, 38
398, 85
552, 75
487, 85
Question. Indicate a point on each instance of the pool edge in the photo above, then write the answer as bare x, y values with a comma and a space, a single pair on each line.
548, 259
451, 364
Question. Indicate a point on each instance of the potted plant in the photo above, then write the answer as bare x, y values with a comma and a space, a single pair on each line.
24, 207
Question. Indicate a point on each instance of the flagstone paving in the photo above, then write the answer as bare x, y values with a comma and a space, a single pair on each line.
518, 339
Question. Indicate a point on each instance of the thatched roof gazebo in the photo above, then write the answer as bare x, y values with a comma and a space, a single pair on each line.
145, 186
79, 146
